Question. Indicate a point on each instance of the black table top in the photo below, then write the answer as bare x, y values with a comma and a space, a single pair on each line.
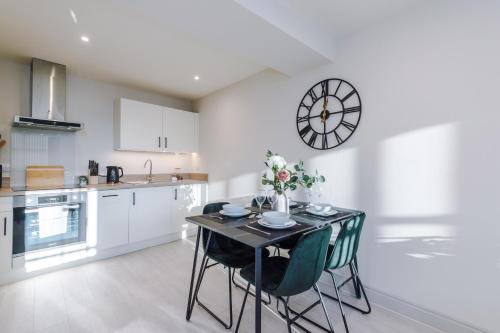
231, 227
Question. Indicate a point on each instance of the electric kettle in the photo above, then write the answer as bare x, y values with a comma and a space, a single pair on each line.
113, 175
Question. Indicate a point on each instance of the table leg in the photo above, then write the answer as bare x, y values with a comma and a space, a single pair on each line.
258, 287
193, 272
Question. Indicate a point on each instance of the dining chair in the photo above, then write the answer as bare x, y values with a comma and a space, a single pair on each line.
286, 277
342, 254
227, 252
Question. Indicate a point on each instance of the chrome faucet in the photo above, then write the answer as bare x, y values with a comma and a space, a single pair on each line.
150, 176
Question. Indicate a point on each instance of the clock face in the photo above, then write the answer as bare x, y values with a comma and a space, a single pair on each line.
328, 114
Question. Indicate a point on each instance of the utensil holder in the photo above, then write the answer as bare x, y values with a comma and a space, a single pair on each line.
93, 180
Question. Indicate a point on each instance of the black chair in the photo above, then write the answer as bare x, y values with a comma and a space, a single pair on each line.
227, 252
286, 277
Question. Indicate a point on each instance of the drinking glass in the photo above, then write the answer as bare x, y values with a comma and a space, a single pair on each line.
272, 197
260, 198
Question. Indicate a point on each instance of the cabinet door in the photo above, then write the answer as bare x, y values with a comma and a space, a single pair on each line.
112, 218
149, 215
187, 200
179, 131
141, 126
5, 241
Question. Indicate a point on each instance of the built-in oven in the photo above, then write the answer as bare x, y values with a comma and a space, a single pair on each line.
49, 220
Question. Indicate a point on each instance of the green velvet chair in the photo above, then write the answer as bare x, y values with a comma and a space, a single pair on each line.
227, 252
286, 277
343, 253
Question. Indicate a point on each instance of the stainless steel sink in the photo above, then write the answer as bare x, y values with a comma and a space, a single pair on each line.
138, 182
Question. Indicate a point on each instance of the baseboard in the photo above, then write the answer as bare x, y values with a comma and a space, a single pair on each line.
417, 313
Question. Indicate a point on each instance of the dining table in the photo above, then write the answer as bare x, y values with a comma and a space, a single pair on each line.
248, 231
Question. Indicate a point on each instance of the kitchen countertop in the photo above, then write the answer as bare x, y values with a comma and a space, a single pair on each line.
8, 192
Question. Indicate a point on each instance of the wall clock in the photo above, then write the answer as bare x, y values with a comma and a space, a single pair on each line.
328, 114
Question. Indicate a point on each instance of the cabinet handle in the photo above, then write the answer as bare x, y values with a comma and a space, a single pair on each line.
166, 142
133, 198
159, 142
5, 226
109, 195
175, 197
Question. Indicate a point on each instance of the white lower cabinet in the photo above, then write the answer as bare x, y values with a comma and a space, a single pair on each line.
5, 241
188, 200
149, 213
113, 218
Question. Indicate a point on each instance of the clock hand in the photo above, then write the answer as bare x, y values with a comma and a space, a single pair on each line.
325, 105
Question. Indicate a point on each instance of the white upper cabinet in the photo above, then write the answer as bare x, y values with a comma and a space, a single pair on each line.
179, 131
140, 126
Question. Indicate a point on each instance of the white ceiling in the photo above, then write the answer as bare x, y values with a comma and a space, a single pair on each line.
160, 45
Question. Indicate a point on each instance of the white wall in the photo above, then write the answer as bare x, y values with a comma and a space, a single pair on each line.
423, 163
90, 102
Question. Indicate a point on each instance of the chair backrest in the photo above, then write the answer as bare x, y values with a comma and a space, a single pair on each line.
209, 209
306, 264
346, 244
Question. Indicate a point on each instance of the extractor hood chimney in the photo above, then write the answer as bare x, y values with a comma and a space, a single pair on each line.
48, 98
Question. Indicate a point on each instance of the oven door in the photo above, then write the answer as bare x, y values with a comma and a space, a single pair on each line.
48, 226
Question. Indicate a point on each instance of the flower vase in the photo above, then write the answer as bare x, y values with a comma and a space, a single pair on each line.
282, 203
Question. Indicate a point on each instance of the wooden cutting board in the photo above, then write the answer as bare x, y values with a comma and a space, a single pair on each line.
44, 175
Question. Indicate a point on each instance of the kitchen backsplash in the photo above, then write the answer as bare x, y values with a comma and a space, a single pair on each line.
40, 147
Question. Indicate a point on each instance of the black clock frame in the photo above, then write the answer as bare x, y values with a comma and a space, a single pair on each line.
351, 127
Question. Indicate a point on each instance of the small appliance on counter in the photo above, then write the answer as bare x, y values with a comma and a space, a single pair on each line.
113, 175
93, 178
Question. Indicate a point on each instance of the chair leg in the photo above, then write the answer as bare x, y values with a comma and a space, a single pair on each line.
324, 308
242, 308
227, 326
355, 268
369, 309
288, 321
340, 303
237, 285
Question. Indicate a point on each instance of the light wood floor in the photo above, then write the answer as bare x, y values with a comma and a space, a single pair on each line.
146, 291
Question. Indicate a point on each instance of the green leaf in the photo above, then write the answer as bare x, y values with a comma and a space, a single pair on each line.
322, 179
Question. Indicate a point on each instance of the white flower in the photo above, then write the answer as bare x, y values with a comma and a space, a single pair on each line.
278, 161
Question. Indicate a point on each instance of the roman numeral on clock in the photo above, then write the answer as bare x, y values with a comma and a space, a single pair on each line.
348, 125
304, 105
346, 97
303, 119
312, 139
313, 95
303, 132
352, 109
337, 136
324, 141
324, 88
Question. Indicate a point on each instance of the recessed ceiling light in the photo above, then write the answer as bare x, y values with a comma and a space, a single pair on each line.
196, 77
85, 39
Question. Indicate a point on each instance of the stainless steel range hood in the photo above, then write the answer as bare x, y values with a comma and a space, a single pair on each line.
48, 98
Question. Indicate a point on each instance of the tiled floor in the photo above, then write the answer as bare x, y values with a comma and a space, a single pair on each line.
146, 291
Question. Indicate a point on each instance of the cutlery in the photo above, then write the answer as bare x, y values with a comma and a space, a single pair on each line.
264, 232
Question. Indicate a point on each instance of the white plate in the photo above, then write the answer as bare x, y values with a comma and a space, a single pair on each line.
287, 225
314, 212
239, 214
